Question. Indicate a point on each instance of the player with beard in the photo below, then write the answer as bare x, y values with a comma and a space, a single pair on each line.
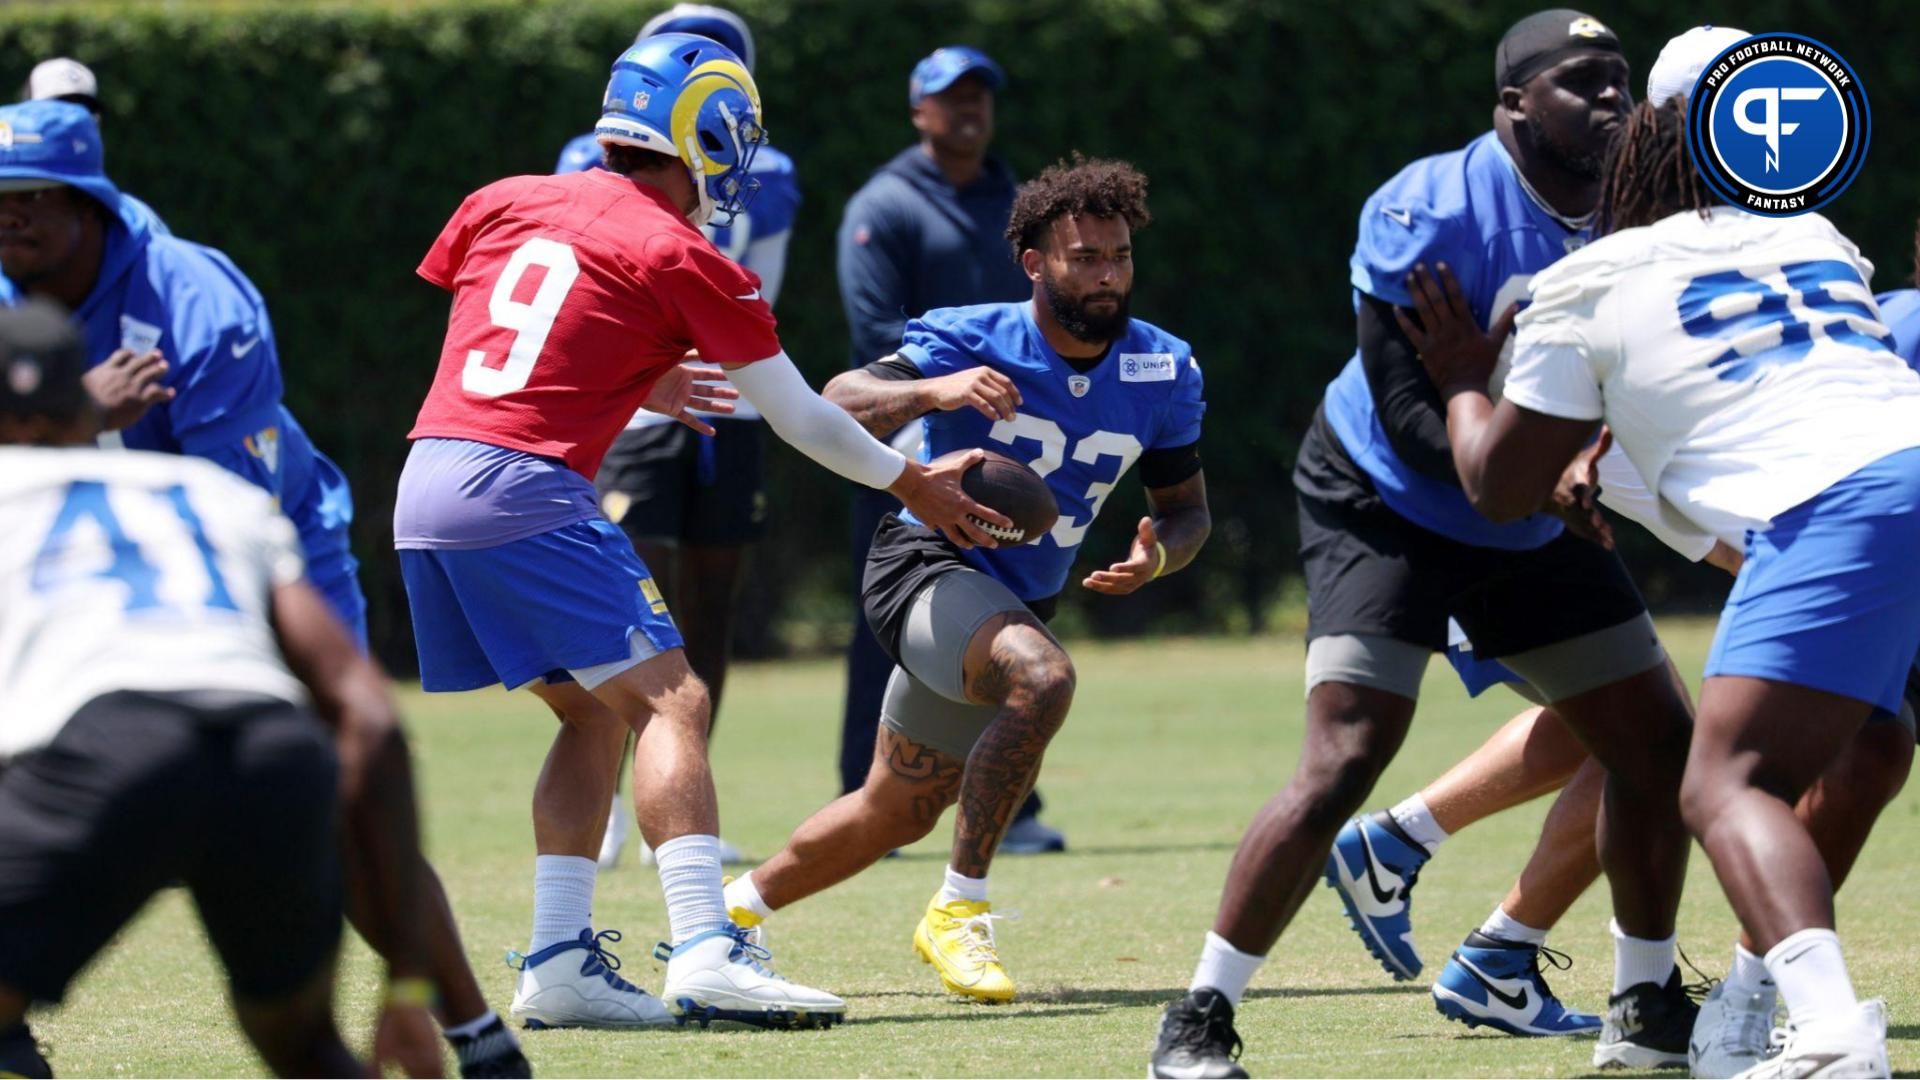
981, 686
1392, 549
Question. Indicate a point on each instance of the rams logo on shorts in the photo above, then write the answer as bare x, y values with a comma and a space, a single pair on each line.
652, 592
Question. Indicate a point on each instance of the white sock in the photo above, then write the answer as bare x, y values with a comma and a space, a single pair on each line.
743, 893
1225, 968
1639, 960
1505, 927
690, 876
1412, 815
1748, 975
472, 1027
961, 887
562, 898
1812, 976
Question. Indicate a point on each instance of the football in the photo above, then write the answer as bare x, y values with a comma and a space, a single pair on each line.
1016, 491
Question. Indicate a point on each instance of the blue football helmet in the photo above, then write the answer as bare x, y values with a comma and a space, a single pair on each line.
692, 98
706, 20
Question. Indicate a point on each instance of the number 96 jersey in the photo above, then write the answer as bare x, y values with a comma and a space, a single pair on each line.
572, 294
1081, 431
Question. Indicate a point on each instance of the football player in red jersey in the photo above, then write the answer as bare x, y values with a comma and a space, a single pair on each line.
575, 297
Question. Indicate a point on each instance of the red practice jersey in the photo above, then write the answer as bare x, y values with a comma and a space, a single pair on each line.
572, 294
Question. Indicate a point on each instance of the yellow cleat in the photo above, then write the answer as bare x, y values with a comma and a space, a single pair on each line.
957, 939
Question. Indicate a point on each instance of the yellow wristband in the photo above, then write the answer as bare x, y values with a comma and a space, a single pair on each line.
1160, 554
411, 991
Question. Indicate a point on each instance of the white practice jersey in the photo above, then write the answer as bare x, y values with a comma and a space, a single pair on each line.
127, 570
1739, 360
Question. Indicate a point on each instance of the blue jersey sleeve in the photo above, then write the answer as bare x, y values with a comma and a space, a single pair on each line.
1900, 310
938, 344
1181, 424
1420, 216
579, 155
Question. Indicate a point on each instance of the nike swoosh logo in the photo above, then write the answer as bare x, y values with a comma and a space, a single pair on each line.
1404, 217
1809, 1064
754, 295
1380, 896
1798, 955
1516, 1002
242, 348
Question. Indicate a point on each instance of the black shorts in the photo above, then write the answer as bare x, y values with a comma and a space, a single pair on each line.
667, 484
904, 559
236, 796
1370, 571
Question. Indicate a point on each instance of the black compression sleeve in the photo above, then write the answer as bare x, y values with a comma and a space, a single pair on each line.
893, 369
1164, 467
1409, 407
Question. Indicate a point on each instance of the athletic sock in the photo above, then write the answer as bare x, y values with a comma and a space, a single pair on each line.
1812, 976
562, 898
690, 878
472, 1027
1505, 927
1748, 975
961, 887
1225, 968
741, 892
1412, 815
480, 1041
1639, 960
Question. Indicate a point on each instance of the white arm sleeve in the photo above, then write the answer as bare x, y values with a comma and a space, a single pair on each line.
767, 257
810, 424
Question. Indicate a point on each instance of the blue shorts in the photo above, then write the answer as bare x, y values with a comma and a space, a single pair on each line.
1477, 673
552, 606
1827, 598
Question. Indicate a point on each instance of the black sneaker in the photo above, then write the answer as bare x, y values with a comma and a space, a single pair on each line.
1647, 1026
492, 1053
20, 1055
1197, 1039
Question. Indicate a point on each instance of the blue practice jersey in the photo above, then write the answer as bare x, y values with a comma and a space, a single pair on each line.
769, 213
1900, 311
1470, 210
1082, 432
156, 291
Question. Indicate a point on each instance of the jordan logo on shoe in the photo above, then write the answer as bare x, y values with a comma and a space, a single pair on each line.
1514, 1001
1380, 896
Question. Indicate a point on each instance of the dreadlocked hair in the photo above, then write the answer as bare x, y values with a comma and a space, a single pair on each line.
1650, 174
1084, 186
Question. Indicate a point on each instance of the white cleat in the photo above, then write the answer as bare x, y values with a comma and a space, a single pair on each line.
619, 825
722, 975
1849, 1046
1732, 1034
574, 985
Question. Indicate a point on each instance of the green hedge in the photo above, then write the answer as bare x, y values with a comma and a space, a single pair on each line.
323, 147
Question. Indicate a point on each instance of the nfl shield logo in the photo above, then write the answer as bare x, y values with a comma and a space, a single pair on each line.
1079, 384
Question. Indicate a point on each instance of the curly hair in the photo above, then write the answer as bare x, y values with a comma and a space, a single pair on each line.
1649, 173
1083, 186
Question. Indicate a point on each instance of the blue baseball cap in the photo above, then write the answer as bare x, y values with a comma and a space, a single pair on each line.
48, 143
944, 66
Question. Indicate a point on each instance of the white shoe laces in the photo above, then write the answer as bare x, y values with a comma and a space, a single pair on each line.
977, 943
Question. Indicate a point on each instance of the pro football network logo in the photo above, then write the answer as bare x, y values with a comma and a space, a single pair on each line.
1778, 124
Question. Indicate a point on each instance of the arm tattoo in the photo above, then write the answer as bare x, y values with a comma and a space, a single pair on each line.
882, 406
1181, 519
935, 776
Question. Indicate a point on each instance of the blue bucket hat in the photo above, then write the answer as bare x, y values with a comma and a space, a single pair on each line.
945, 66
46, 143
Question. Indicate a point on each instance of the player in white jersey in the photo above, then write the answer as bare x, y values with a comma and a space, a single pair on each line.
151, 731
1740, 363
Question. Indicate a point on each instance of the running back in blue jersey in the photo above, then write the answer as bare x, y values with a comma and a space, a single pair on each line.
1900, 311
769, 213
1471, 210
1080, 432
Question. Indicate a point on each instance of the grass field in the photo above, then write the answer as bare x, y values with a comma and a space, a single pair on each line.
1171, 747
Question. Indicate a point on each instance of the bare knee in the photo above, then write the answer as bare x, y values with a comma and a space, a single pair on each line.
1353, 733
1029, 676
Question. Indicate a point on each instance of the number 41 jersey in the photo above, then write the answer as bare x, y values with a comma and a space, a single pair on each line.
129, 570
572, 294
1080, 431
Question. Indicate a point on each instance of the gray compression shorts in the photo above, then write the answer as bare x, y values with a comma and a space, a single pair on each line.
1553, 672
926, 698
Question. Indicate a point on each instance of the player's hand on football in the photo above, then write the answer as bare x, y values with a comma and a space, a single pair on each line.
982, 389
1576, 498
1457, 354
406, 1038
126, 384
688, 387
934, 494
1141, 565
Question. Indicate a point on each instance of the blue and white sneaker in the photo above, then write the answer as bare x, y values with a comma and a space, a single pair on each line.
723, 975
1373, 866
555, 991
1499, 984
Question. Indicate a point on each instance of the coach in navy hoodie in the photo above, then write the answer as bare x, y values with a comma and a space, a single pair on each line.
926, 231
